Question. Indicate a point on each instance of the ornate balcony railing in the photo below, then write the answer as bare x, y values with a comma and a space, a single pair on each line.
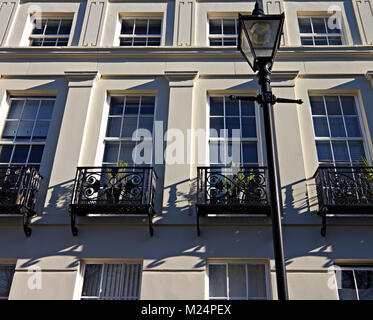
113, 190
19, 187
232, 190
344, 190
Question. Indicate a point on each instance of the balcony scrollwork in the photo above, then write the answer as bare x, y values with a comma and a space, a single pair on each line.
232, 191
19, 187
113, 190
344, 191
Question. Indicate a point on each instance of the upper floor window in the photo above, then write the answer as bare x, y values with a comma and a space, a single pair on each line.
25, 131
50, 32
319, 31
141, 32
223, 31
127, 114
355, 283
237, 281
234, 132
338, 132
6, 278
119, 281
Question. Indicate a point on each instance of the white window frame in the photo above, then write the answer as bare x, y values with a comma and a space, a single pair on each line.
222, 36
351, 268
134, 36
227, 262
258, 139
364, 138
104, 139
5, 117
2, 263
107, 262
43, 36
317, 35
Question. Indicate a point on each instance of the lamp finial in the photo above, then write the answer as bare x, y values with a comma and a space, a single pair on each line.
258, 11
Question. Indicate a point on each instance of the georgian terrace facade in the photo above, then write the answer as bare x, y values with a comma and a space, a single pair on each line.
78, 78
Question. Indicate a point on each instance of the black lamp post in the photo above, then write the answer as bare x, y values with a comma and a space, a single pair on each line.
258, 40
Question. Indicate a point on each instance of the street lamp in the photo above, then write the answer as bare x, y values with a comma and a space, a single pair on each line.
258, 40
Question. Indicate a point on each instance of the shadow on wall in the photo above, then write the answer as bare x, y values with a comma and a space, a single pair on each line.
61, 195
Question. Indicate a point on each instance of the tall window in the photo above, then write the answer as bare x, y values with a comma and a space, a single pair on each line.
233, 127
126, 115
50, 32
223, 31
6, 278
317, 31
120, 281
338, 133
141, 32
25, 131
237, 281
355, 283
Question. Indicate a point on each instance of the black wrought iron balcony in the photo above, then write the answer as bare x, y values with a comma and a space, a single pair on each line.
114, 191
19, 187
344, 191
232, 191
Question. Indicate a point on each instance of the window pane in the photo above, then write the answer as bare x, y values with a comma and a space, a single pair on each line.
40, 130
232, 107
30, 110
16, 109
139, 42
25, 130
321, 41
35, 154
230, 42
92, 279
304, 25
353, 126
65, 27
46, 109
340, 151
217, 280
6, 278
357, 151
335, 41
126, 151
321, 127
111, 152
216, 150
247, 108
306, 41
317, 105
10, 129
248, 127
232, 124
111, 280
20, 154
113, 127
154, 41
146, 123
132, 105
229, 26
131, 278
5, 153
49, 42
126, 41
147, 105
333, 26
36, 42
364, 282
216, 42
337, 127
216, 124
237, 280
127, 27
116, 106
250, 153
52, 26
141, 26
154, 26
348, 105
129, 126
332, 105
347, 290
62, 42
318, 25
256, 281
216, 106
215, 26
38, 26
324, 152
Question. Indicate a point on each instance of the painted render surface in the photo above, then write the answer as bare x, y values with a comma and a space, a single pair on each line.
181, 73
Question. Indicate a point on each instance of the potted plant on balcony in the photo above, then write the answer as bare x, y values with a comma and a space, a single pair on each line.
368, 179
240, 187
117, 181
